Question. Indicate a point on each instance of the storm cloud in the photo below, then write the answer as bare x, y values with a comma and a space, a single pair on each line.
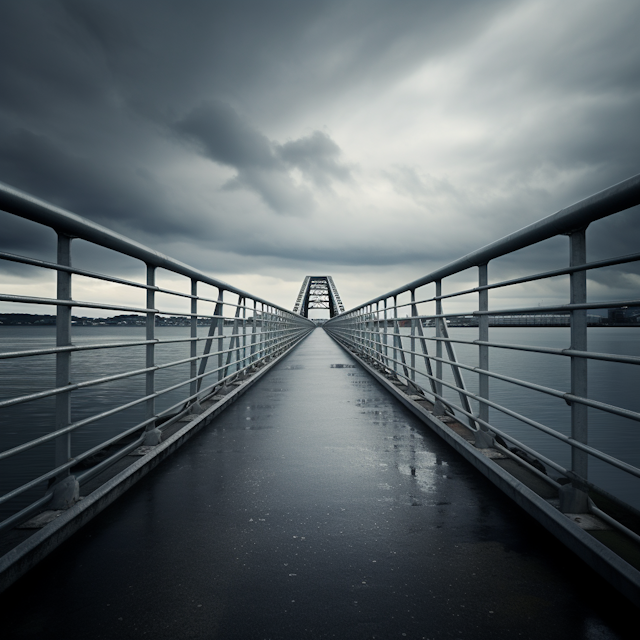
262, 165
370, 140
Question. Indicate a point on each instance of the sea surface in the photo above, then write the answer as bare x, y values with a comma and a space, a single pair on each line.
616, 384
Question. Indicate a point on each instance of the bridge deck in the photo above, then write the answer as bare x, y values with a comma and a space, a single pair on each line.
315, 507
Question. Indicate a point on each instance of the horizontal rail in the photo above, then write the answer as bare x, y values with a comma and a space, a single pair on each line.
54, 302
575, 353
598, 264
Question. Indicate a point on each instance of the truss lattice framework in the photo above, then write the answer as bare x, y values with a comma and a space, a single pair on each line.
318, 292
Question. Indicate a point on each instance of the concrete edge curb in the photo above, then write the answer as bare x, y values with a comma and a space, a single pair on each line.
23, 557
610, 566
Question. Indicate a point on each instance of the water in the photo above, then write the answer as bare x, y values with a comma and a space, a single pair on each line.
612, 383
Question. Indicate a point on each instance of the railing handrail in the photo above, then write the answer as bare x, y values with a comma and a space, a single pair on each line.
261, 331
25, 206
621, 196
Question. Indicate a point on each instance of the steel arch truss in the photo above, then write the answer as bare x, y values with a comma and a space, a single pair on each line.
318, 292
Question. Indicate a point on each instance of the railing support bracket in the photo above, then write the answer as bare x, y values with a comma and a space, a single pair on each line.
152, 437
65, 494
573, 500
483, 439
195, 408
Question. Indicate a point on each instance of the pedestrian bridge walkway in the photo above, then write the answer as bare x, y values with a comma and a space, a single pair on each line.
315, 506
308, 494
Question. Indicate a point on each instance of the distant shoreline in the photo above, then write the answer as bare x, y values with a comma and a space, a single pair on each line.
48, 320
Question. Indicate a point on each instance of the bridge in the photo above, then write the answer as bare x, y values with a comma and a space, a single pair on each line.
252, 475
318, 292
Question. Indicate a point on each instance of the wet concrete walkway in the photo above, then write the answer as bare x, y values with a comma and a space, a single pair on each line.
315, 507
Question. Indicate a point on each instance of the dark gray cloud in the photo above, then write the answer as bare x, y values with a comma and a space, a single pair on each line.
227, 138
263, 166
317, 156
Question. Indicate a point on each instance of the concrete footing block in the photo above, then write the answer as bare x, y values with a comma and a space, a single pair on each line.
196, 408
152, 438
439, 408
65, 494
483, 439
573, 500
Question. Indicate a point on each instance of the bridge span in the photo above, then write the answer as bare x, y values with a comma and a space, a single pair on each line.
316, 506
279, 480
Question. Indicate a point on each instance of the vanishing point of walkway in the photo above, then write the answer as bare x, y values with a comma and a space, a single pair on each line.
314, 507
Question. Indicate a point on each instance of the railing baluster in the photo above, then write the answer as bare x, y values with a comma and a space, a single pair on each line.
395, 331
413, 334
193, 345
377, 335
254, 328
438, 335
573, 498
152, 435
244, 334
65, 491
220, 312
385, 329
482, 437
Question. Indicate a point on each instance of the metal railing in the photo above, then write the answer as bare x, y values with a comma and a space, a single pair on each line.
111, 393
396, 333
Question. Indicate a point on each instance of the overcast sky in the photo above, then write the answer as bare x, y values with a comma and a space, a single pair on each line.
373, 140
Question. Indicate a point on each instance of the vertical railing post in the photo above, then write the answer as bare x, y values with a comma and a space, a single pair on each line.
369, 331
65, 490
236, 330
573, 498
260, 347
483, 438
220, 311
395, 329
279, 333
152, 435
269, 323
244, 333
267, 333
376, 328
193, 350
414, 313
254, 329
438, 336
385, 329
